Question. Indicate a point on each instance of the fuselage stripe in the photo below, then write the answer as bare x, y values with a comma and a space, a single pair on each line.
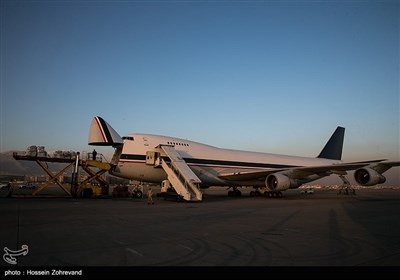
199, 165
219, 163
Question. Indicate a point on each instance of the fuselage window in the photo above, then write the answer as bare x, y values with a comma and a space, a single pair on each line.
177, 144
127, 138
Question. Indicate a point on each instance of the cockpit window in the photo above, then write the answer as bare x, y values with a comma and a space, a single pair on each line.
127, 138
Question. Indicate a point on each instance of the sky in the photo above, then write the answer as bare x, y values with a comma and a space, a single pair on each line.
268, 76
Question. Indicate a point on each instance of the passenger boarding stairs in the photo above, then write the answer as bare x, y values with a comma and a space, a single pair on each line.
180, 176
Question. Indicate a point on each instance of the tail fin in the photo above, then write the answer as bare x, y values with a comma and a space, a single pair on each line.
102, 134
334, 146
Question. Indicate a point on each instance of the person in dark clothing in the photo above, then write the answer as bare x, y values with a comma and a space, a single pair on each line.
94, 154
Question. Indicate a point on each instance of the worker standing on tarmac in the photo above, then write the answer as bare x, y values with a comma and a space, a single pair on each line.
150, 196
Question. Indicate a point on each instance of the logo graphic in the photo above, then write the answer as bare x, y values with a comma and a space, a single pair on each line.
10, 255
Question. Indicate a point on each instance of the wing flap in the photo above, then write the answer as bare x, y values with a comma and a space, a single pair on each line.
384, 166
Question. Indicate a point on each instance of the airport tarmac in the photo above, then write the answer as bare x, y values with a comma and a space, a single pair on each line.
320, 229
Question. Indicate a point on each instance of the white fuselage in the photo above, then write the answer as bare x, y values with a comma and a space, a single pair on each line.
207, 162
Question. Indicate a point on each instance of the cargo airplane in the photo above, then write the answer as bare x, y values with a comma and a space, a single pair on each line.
186, 166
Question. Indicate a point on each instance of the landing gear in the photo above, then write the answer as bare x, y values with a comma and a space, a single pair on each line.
137, 191
256, 192
234, 192
346, 188
265, 192
270, 194
137, 194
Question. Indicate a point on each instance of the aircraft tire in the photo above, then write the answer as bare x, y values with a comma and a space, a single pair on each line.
138, 194
252, 193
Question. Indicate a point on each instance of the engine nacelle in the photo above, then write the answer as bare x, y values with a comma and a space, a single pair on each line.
280, 182
368, 177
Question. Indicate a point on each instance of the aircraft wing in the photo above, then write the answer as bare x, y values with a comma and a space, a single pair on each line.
251, 175
301, 172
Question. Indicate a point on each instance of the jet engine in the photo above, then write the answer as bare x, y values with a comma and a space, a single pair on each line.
368, 177
280, 182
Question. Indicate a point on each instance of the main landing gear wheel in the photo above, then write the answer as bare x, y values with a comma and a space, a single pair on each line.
255, 193
273, 194
235, 192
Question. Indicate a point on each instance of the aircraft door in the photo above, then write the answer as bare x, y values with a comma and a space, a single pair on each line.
152, 158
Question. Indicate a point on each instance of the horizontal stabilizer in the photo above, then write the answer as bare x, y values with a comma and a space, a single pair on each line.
334, 146
102, 134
